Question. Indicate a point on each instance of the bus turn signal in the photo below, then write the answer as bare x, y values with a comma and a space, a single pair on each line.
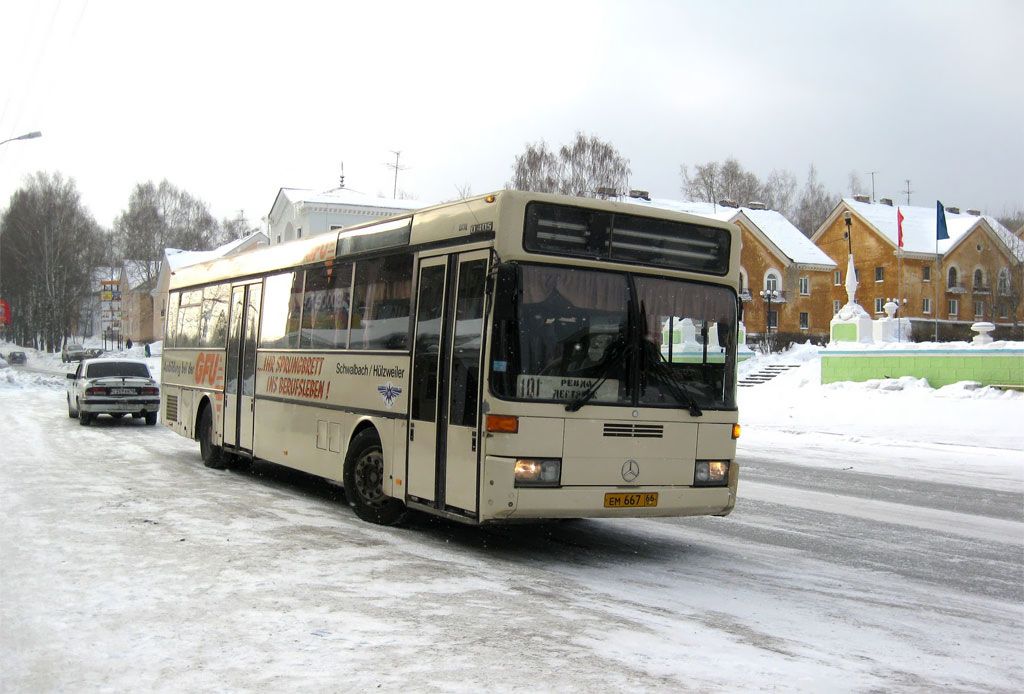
502, 423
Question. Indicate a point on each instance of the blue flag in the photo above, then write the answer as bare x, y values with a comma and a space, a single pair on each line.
940, 222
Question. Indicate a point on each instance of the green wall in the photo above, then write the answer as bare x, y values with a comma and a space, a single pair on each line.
995, 367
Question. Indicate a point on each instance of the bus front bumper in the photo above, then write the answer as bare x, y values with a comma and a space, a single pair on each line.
501, 500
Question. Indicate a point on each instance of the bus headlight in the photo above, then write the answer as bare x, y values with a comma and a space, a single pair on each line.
711, 473
538, 472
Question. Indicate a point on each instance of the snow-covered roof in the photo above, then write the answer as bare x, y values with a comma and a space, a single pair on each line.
347, 196
789, 240
177, 258
919, 226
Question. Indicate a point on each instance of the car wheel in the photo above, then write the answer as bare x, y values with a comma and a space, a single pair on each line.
71, 413
151, 418
363, 480
84, 418
212, 455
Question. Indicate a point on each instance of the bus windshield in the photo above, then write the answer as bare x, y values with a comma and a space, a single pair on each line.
613, 338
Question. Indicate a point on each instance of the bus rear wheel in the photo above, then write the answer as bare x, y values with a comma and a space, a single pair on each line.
213, 455
363, 480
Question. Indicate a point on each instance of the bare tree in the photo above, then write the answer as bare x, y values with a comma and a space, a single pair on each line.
705, 184
159, 217
815, 204
50, 244
854, 183
580, 168
234, 229
780, 192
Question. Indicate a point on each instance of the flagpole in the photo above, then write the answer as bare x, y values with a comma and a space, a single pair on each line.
935, 289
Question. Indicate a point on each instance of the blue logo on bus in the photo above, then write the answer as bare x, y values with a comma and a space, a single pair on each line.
389, 392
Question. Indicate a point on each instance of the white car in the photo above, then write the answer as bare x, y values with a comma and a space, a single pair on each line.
117, 387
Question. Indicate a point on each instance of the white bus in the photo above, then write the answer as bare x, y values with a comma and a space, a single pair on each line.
511, 356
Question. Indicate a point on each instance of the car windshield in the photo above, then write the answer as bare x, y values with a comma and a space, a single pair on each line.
73, 348
615, 338
117, 369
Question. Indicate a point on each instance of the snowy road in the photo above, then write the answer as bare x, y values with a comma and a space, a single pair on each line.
128, 565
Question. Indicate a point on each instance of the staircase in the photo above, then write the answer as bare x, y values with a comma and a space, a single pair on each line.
766, 374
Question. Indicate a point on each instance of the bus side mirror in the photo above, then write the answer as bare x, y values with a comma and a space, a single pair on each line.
505, 292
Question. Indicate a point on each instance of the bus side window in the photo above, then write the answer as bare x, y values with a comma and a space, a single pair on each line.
381, 303
276, 301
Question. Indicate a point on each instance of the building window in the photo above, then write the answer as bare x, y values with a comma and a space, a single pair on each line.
926, 273
1004, 311
951, 278
879, 304
837, 278
744, 284
836, 305
954, 307
805, 286
804, 320
979, 279
879, 274
771, 281
773, 319
1004, 282
979, 309
926, 305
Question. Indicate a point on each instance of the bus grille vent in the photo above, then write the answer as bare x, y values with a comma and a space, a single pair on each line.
171, 413
636, 431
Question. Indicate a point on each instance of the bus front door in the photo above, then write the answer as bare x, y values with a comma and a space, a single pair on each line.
445, 404
240, 370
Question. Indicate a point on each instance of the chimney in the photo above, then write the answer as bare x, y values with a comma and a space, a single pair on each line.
755, 205
952, 210
726, 202
976, 213
886, 201
860, 197
640, 195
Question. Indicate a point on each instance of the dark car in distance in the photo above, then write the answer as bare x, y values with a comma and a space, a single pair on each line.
16, 358
73, 351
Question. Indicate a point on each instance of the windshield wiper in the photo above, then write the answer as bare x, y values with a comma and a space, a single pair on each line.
662, 367
613, 358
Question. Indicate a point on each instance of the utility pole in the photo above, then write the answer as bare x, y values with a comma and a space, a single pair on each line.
397, 168
908, 191
872, 174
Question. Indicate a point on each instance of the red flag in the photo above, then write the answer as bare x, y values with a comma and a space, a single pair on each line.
899, 226
5, 312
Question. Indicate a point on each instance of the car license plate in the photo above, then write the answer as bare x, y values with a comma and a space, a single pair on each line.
122, 391
631, 500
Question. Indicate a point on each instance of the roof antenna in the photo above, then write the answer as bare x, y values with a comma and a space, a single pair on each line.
341, 178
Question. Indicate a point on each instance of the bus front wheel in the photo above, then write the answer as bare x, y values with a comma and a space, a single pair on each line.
213, 456
363, 481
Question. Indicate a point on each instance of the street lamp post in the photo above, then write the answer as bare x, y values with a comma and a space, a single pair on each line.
769, 295
27, 136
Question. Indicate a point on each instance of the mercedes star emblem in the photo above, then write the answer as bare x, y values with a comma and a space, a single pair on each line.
630, 470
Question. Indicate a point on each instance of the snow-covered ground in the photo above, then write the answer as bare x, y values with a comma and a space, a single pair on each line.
878, 544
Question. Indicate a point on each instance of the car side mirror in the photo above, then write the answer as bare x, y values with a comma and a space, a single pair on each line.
71, 376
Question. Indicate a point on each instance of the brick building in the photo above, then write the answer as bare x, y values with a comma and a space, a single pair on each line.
919, 273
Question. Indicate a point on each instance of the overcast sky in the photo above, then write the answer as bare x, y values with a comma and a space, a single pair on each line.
232, 101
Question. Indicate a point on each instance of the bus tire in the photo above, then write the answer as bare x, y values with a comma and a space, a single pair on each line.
363, 481
213, 455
